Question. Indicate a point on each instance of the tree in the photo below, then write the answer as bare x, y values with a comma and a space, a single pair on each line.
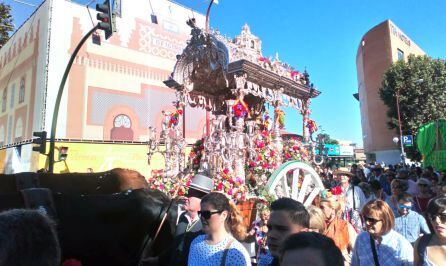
6, 25
328, 140
421, 84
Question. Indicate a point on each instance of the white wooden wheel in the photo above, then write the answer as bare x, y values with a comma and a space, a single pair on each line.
296, 180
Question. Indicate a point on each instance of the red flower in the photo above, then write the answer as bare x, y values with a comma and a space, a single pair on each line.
220, 186
336, 190
226, 171
260, 144
287, 155
180, 111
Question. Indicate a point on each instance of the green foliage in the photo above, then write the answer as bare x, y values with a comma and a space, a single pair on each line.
329, 140
6, 25
421, 83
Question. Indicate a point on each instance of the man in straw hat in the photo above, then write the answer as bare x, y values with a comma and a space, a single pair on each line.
189, 221
354, 197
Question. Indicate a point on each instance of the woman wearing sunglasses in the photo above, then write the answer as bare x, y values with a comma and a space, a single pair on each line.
430, 249
397, 186
223, 226
380, 245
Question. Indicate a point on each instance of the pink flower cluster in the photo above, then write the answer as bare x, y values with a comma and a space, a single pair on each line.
231, 185
294, 150
196, 154
173, 187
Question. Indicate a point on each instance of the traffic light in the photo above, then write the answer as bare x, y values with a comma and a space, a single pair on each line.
106, 17
63, 153
40, 140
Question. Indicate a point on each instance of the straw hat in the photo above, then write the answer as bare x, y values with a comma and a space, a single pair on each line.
343, 171
202, 183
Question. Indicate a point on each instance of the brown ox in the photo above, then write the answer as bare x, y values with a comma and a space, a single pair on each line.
113, 181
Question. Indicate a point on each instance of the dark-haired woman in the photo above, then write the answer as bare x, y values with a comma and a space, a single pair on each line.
223, 227
430, 249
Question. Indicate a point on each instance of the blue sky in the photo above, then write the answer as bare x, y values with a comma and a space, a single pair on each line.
321, 36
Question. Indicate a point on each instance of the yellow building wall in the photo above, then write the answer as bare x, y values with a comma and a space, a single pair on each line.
102, 157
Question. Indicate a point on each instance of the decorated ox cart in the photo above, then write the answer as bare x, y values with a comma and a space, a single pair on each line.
243, 148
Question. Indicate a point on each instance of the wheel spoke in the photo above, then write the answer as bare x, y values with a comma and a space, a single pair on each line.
303, 189
285, 187
295, 184
311, 197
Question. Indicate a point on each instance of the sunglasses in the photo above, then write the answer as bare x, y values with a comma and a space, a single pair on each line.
402, 206
207, 214
397, 187
370, 220
442, 217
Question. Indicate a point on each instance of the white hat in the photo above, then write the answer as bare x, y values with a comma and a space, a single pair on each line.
202, 183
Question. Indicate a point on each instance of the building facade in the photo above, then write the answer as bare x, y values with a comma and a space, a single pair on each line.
114, 91
378, 49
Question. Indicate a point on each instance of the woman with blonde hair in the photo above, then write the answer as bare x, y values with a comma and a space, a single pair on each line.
223, 227
317, 219
341, 231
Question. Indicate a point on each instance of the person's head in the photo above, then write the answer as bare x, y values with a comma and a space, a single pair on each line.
330, 206
398, 186
404, 203
199, 187
377, 170
424, 185
343, 176
436, 212
218, 213
28, 237
378, 217
310, 248
430, 169
365, 187
376, 188
287, 217
264, 214
403, 174
317, 219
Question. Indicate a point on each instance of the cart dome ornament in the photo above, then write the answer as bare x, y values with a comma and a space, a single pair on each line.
203, 64
244, 150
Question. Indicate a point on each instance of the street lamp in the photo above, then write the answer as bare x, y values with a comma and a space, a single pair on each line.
403, 154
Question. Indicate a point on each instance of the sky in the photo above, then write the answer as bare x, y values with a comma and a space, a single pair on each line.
321, 36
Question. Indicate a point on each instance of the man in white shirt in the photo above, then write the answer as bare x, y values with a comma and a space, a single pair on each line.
354, 196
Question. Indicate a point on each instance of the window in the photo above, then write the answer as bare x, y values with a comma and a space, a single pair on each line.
11, 103
4, 98
22, 90
122, 121
400, 55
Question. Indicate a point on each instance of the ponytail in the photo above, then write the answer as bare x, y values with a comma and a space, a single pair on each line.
235, 223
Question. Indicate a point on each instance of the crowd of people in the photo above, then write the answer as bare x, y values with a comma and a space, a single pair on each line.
368, 215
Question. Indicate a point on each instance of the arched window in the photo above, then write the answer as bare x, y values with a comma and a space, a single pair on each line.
22, 90
122, 121
253, 44
122, 128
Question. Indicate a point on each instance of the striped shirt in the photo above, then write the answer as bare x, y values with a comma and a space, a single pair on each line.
411, 225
